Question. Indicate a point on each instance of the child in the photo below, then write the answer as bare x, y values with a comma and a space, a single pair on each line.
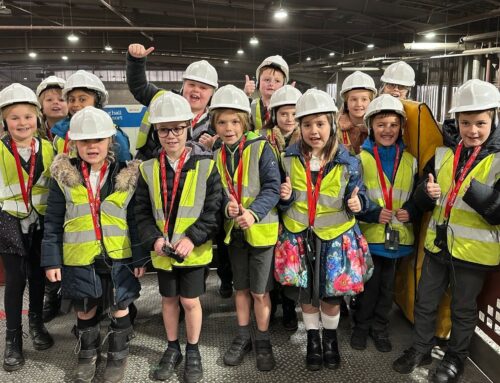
54, 105
462, 241
321, 254
84, 89
358, 89
250, 178
199, 84
388, 173
282, 131
24, 176
271, 74
90, 239
397, 80
178, 203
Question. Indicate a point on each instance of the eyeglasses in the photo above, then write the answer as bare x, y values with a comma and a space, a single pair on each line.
396, 86
164, 132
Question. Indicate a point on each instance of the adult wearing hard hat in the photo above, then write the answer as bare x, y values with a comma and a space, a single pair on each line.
358, 90
271, 75
397, 80
199, 83
24, 175
180, 240
461, 187
99, 266
84, 89
54, 105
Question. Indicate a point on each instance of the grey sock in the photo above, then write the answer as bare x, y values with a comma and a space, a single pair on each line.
244, 331
262, 335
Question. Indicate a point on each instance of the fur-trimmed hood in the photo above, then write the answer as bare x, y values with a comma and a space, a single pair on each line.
66, 172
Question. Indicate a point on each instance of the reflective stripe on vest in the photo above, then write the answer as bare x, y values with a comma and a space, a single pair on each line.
403, 186
142, 134
469, 237
331, 218
11, 198
190, 207
265, 232
80, 245
256, 114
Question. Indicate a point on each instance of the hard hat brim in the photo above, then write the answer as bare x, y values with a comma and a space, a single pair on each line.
202, 80
80, 137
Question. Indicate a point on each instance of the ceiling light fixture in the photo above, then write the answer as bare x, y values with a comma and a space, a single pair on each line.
361, 68
430, 35
331, 54
370, 46
72, 37
32, 54
432, 46
254, 41
65, 58
308, 58
281, 14
240, 51
4, 10
226, 62
108, 47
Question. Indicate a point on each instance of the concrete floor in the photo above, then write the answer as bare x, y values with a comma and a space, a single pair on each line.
219, 327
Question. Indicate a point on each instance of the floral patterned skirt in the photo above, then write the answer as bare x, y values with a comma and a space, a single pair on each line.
344, 266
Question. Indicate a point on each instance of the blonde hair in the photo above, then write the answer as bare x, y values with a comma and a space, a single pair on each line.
111, 156
331, 145
244, 117
49, 90
6, 110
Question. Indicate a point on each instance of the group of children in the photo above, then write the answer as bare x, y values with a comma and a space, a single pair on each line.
320, 202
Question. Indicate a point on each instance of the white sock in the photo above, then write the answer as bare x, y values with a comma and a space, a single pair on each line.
311, 321
330, 322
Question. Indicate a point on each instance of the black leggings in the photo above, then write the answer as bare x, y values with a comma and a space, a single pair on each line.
18, 269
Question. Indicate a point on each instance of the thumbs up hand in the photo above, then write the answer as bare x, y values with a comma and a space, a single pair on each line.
293, 83
433, 189
286, 189
139, 51
246, 219
233, 209
354, 203
249, 86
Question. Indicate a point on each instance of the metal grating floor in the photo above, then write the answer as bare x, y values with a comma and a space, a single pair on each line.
219, 326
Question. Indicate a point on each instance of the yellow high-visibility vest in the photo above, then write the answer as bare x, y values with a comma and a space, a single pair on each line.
142, 135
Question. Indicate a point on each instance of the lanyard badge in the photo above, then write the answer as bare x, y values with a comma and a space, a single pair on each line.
25, 189
239, 171
95, 202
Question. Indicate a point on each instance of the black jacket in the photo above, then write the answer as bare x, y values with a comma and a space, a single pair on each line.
205, 226
144, 91
485, 200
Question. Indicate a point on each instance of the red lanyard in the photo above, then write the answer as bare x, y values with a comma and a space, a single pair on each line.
450, 201
49, 133
313, 195
196, 119
66, 140
94, 202
26, 191
163, 168
345, 137
387, 194
239, 171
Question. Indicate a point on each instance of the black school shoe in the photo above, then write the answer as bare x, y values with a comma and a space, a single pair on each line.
238, 349
381, 340
193, 370
358, 339
449, 370
410, 360
169, 361
264, 355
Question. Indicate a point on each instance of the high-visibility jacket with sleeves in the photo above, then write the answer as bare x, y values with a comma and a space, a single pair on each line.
264, 232
190, 208
142, 135
11, 198
331, 218
402, 188
469, 236
80, 243
257, 119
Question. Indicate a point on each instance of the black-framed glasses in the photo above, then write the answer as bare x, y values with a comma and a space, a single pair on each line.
391, 86
164, 132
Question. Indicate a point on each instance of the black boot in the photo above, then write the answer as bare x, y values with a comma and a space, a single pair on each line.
13, 358
89, 341
117, 354
39, 334
290, 322
314, 357
264, 355
331, 355
51, 301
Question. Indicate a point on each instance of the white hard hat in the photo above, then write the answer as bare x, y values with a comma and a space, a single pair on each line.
50, 82
384, 102
230, 97
84, 79
286, 95
274, 61
358, 80
169, 107
314, 101
201, 71
399, 73
475, 95
17, 93
91, 123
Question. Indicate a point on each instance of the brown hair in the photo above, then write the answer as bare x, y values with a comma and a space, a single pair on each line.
7, 109
332, 144
111, 156
273, 69
244, 117
491, 113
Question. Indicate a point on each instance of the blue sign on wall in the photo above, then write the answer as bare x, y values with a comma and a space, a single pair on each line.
126, 116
